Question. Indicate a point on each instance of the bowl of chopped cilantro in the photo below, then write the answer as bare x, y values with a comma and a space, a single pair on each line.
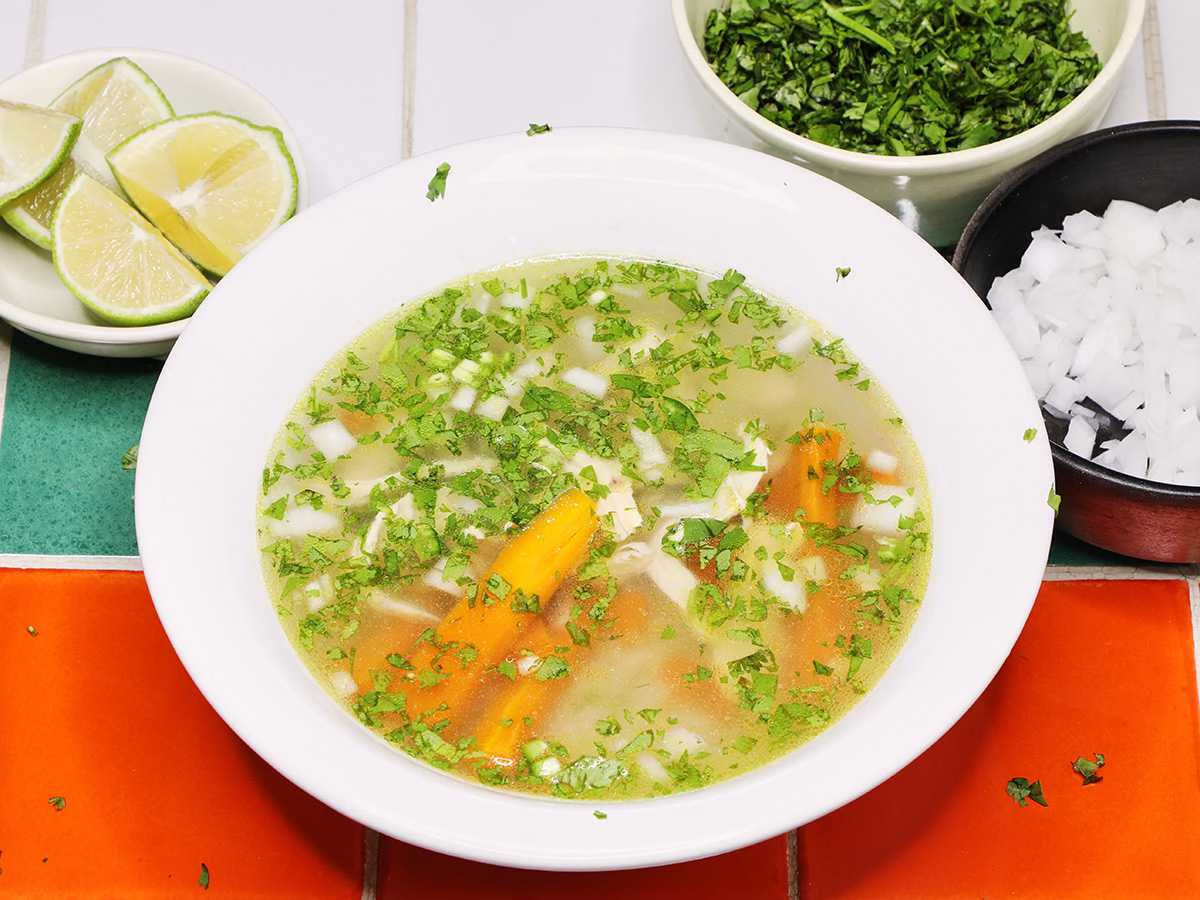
920, 105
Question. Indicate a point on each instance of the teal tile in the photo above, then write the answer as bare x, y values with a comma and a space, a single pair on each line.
68, 419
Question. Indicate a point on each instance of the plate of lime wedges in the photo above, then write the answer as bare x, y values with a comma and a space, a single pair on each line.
131, 182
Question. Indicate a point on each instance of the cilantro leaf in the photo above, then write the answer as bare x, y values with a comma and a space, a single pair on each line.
437, 184
59, 803
129, 458
1030, 434
204, 879
1054, 501
1088, 768
841, 272
1022, 790
534, 128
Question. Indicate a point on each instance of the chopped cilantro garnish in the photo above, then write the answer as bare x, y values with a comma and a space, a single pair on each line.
437, 184
534, 128
608, 727
1054, 501
841, 272
553, 667
59, 803
1088, 768
820, 668
1022, 789
668, 633
33, 632
599, 814
129, 458
204, 878
1030, 434
508, 669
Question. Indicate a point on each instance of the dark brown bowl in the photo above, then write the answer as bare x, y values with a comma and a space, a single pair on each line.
1152, 163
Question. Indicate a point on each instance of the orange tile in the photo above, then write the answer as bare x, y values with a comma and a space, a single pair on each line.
754, 873
97, 709
1101, 666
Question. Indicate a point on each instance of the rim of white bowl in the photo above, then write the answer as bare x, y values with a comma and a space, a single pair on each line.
276, 705
117, 335
925, 164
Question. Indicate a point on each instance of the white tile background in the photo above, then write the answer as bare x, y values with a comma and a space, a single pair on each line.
338, 69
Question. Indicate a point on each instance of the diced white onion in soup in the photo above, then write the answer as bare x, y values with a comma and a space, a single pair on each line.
597, 296
796, 341
585, 330
303, 520
527, 664
734, 492
332, 438
652, 456
360, 489
342, 683
405, 508
515, 301
630, 559
457, 465
493, 407
1081, 437
649, 340
318, 593
546, 768
678, 740
884, 518
652, 767
619, 503
790, 593
462, 399
693, 509
671, 577
436, 578
868, 578
882, 462
467, 371
515, 381
811, 568
391, 605
589, 382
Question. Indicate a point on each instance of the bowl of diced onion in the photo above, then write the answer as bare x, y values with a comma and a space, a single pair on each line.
1089, 258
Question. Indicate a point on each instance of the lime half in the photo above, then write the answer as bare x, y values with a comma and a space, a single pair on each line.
33, 143
114, 100
117, 263
214, 184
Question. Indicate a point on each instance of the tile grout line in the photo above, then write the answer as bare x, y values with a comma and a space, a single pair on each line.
408, 89
35, 33
1152, 63
5, 360
793, 865
80, 563
370, 864
1115, 573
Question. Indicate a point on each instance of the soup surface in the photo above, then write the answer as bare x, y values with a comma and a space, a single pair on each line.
595, 528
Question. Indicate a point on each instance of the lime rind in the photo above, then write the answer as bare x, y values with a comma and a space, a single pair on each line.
275, 134
66, 142
19, 218
155, 90
170, 311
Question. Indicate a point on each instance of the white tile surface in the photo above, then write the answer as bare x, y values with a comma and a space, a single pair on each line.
1129, 105
14, 21
1179, 22
335, 70
485, 68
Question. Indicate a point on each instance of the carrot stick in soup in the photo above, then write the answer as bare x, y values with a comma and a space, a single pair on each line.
494, 619
522, 704
798, 486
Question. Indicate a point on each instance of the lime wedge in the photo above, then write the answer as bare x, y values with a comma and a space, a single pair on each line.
33, 143
214, 184
114, 100
117, 263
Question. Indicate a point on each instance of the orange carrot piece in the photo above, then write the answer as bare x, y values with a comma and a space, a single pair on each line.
530, 696
536, 563
371, 652
798, 484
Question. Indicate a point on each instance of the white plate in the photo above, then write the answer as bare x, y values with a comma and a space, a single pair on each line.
274, 322
31, 296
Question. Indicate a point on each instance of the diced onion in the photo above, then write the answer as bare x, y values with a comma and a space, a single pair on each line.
332, 438
588, 382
